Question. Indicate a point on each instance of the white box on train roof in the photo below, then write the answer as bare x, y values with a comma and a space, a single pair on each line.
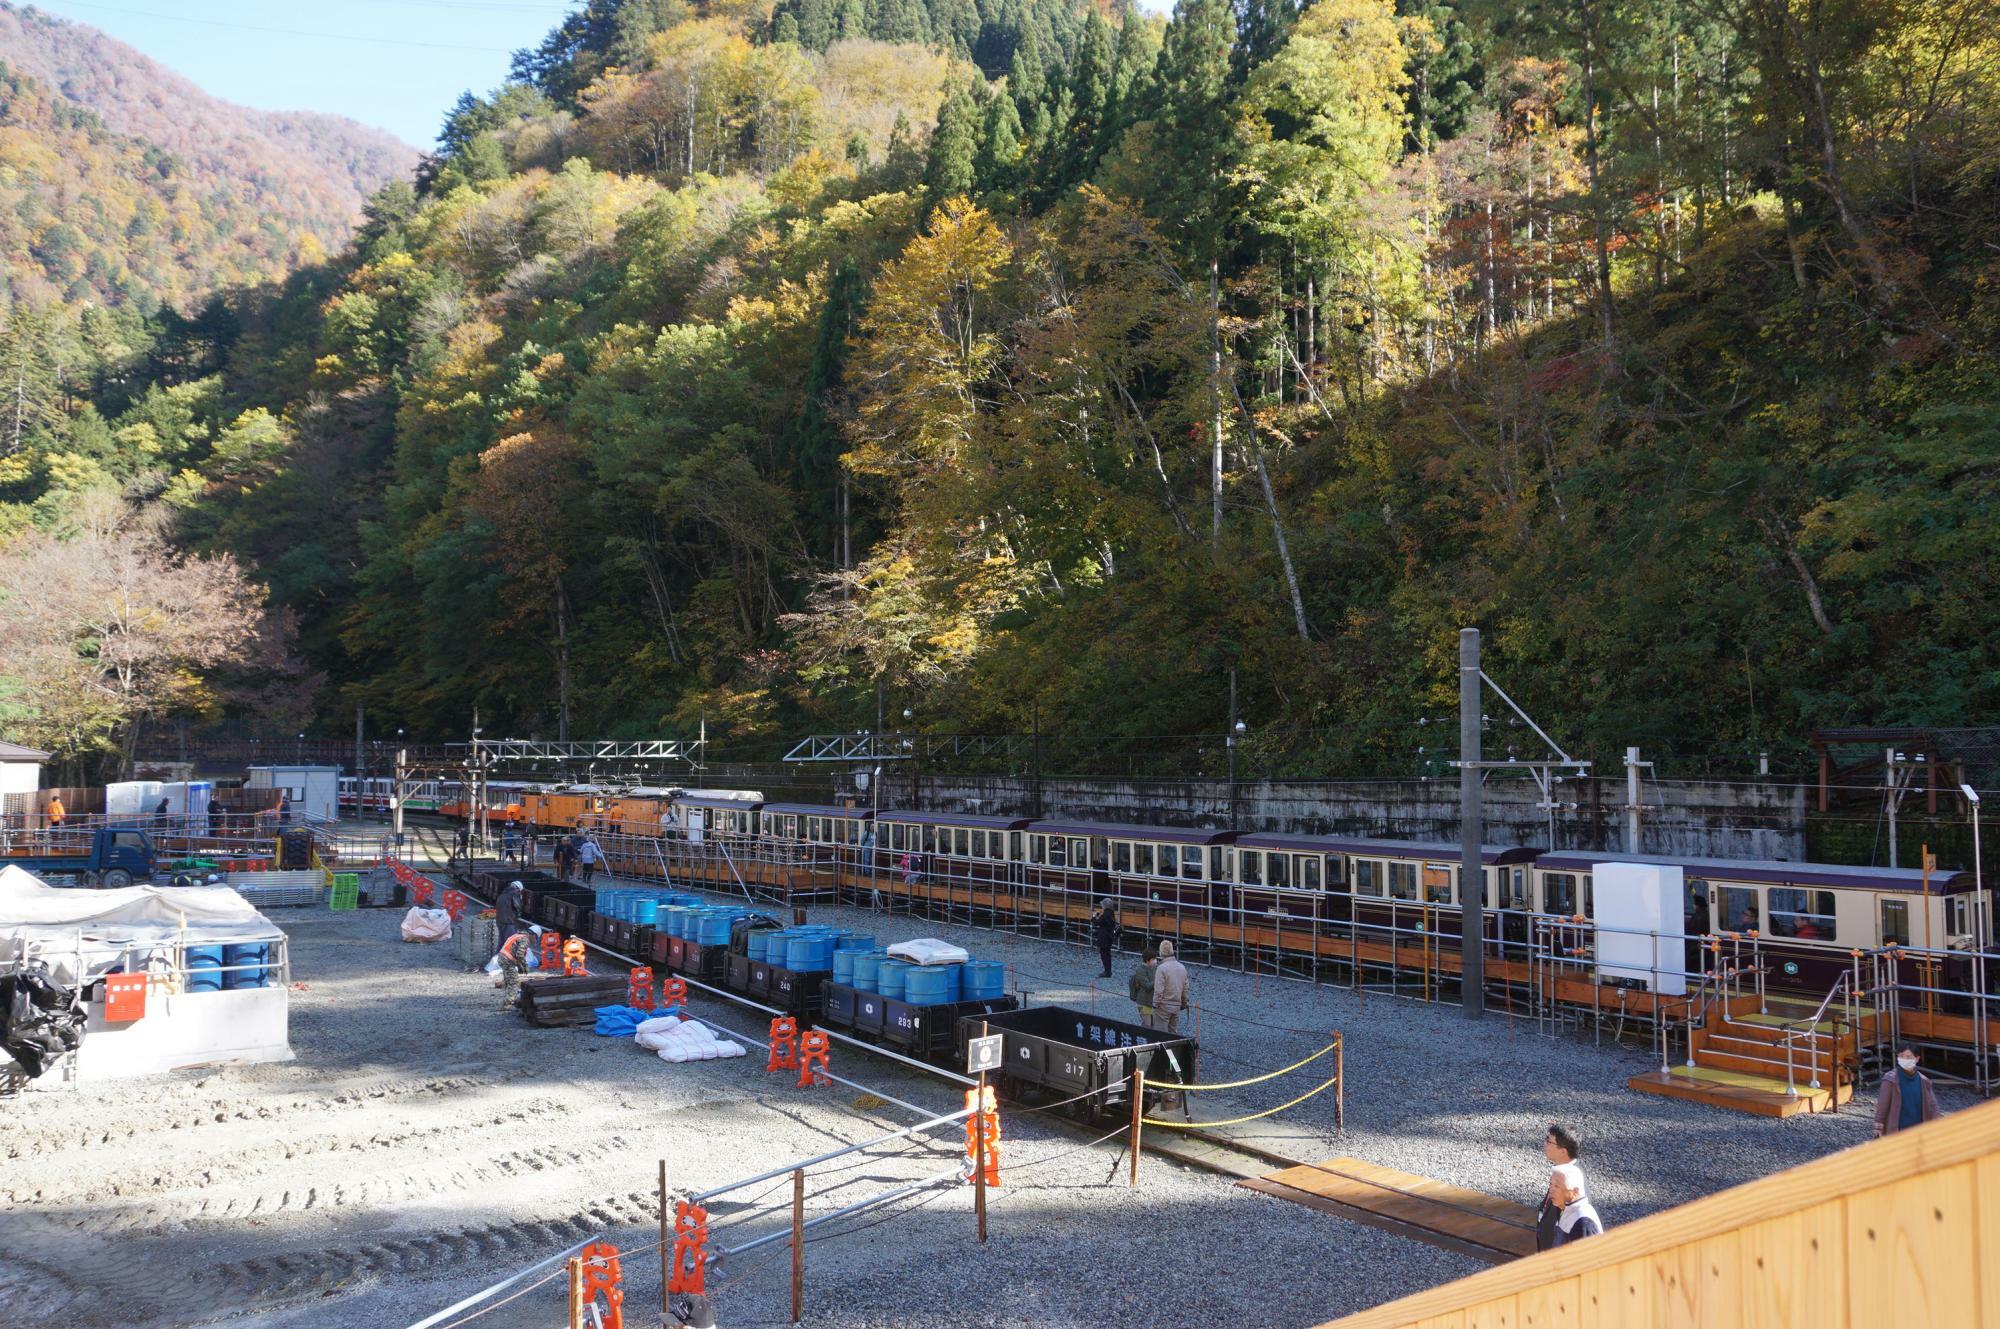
1639, 922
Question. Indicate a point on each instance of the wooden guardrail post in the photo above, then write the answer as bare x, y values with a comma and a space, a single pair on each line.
798, 1245
1138, 1113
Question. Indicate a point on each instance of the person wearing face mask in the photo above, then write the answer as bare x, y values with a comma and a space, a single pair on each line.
1906, 1098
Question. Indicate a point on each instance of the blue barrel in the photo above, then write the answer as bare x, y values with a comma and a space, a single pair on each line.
677, 921
927, 985
843, 966
204, 968
854, 941
982, 980
867, 969
755, 944
892, 978
714, 927
246, 966
649, 913
809, 954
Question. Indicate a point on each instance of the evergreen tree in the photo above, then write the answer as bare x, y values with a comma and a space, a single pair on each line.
999, 145
1025, 81
1445, 73
954, 145
1089, 90
816, 441
1262, 26
903, 167
850, 20
1194, 143
785, 28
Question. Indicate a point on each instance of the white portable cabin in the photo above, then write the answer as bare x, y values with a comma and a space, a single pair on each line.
1639, 927
132, 797
20, 768
314, 790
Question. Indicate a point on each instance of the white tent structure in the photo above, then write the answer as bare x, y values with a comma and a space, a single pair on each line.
216, 973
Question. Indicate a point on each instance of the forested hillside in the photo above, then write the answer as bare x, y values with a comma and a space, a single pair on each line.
1042, 363
123, 183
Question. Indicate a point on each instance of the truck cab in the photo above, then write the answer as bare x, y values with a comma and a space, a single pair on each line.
108, 856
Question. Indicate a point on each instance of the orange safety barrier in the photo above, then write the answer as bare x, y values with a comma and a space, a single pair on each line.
421, 889
552, 943
573, 953
454, 904
673, 992
639, 989
602, 1274
984, 1119
690, 1248
784, 1033
812, 1059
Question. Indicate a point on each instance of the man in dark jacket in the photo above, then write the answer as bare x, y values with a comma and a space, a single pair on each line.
1906, 1098
1104, 931
1560, 1147
507, 909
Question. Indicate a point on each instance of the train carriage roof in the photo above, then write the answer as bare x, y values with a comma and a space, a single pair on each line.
820, 810
974, 820
1780, 872
1430, 850
1119, 831
739, 800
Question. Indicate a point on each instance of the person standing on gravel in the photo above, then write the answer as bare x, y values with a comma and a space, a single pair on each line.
1560, 1146
589, 855
1104, 931
1906, 1098
1141, 987
1170, 990
507, 908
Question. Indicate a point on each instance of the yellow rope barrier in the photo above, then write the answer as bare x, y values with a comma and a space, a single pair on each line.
1232, 1121
1238, 1084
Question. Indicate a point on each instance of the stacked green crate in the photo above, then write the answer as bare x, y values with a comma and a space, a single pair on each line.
346, 892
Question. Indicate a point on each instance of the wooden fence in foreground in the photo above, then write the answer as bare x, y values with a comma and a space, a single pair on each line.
1903, 1230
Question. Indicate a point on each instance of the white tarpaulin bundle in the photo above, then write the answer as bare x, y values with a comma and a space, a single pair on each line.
678, 1040
55, 922
929, 950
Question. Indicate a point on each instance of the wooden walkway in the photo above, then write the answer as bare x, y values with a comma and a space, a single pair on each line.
1450, 1217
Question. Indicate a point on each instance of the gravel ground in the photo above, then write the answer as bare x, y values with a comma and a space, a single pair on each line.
424, 1145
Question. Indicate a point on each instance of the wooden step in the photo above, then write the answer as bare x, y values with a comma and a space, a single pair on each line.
1738, 1091
1769, 1067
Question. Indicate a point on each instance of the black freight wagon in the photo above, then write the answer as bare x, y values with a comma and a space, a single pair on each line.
929, 1033
1056, 1053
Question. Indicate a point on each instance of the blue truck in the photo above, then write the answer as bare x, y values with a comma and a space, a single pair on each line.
109, 856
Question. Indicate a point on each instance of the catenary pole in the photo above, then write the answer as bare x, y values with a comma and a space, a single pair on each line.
1471, 831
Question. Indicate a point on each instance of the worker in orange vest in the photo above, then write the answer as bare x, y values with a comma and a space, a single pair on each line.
56, 810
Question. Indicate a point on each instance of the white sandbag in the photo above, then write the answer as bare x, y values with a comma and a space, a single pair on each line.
706, 1052
673, 1054
727, 1049
658, 1024
426, 925
929, 950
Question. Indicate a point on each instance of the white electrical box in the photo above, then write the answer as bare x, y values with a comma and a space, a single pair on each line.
1639, 926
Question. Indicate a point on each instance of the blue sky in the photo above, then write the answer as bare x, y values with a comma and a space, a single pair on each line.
394, 64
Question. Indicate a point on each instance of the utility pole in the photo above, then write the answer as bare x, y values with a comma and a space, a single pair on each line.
397, 791
1471, 832
1634, 804
1896, 775
1229, 741
360, 757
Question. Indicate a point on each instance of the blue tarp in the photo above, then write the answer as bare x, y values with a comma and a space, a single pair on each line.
623, 1021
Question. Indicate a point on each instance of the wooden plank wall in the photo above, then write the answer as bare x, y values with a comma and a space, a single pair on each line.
1904, 1230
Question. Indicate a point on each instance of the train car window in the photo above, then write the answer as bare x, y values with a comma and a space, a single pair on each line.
895, 835
1142, 859
1437, 884
1367, 877
1402, 881
1309, 871
1517, 888
1078, 855
1100, 853
1250, 863
1014, 845
1280, 868
1737, 907
1559, 894
1958, 916
961, 841
1335, 870
1038, 849
1218, 863
1191, 862
1807, 915
979, 844
930, 839
1058, 852
1895, 923
1121, 857
996, 847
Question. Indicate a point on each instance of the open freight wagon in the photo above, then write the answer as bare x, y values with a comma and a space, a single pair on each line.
1058, 1054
